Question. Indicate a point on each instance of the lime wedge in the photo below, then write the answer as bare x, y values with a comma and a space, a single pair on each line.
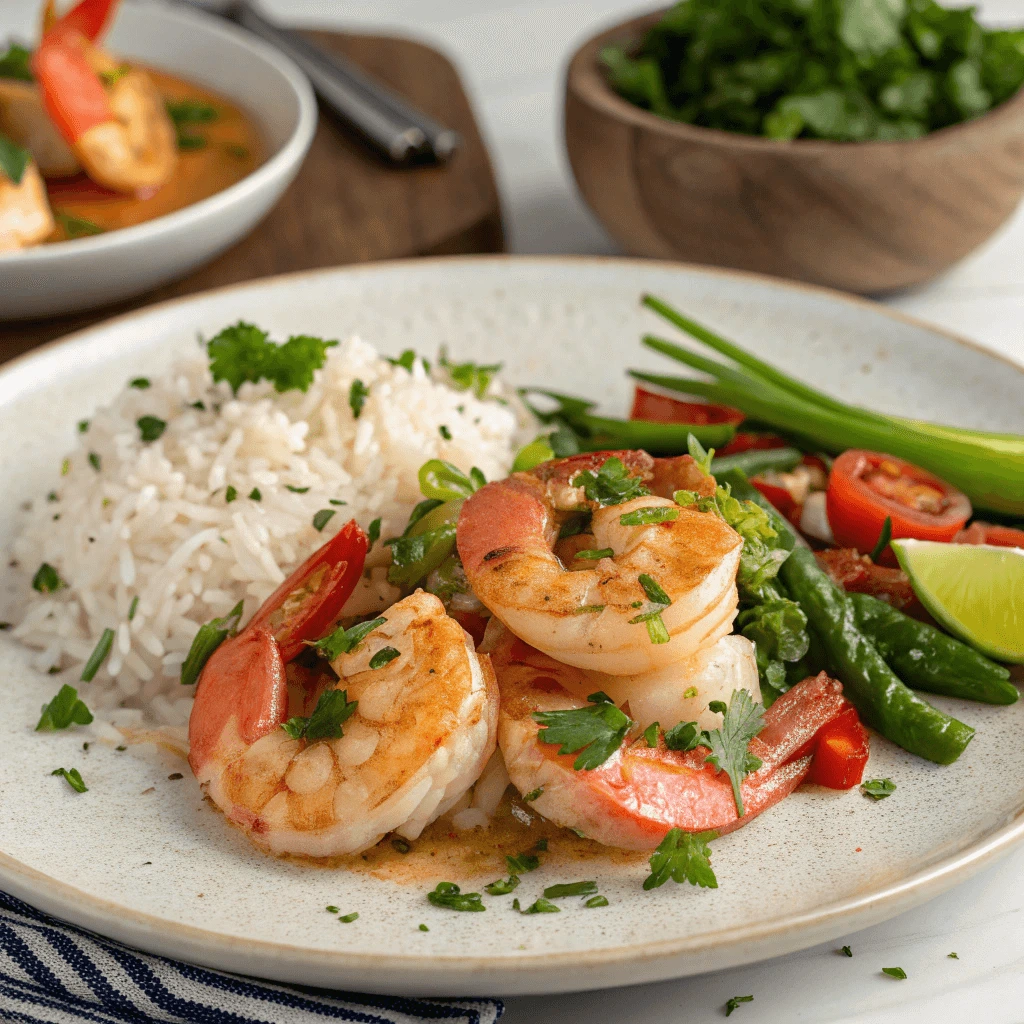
976, 591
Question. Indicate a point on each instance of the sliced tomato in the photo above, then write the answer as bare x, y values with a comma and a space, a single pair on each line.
840, 752
866, 487
311, 599
745, 441
987, 533
649, 405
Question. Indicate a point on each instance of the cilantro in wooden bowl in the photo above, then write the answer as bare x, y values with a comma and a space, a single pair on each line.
862, 144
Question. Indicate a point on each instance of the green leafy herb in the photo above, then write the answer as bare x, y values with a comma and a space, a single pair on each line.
322, 518
110, 77
597, 731
778, 629
46, 580
449, 896
424, 928
76, 227
349, 918
15, 63
593, 554
475, 377
406, 360
99, 655
444, 432
244, 353
73, 778
611, 484
684, 736
878, 789
656, 629
255, 494
541, 845
83, 426
895, 972
383, 657
651, 734
596, 901
296, 490
13, 159
883, 540
357, 396
532, 455
563, 889
533, 794
588, 609
336, 501
332, 909
133, 608
139, 383
64, 710
230, 494
689, 692
952, 956
649, 516
541, 906
373, 532
238, 151
521, 863
332, 710
208, 638
846, 951
150, 427
344, 641
734, 1002
683, 857
502, 887
445, 482
742, 720
94, 461
698, 454
191, 112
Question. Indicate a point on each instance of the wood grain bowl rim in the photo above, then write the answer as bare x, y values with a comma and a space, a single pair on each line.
288, 962
585, 80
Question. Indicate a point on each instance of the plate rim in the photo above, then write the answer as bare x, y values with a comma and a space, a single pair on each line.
658, 959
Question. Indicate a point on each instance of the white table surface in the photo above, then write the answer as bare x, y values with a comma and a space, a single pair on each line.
511, 54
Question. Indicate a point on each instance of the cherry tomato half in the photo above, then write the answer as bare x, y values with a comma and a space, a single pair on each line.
648, 405
866, 487
312, 597
840, 753
987, 533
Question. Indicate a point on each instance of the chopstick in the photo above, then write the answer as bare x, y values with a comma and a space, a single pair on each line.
393, 127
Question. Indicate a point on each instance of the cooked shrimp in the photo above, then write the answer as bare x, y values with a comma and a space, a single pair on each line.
24, 120
589, 615
423, 728
25, 217
111, 116
640, 792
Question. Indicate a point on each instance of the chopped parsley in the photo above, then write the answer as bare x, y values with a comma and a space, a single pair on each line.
651, 734
64, 710
683, 857
735, 1001
98, 656
593, 554
649, 516
373, 532
349, 918
611, 484
140, 383
424, 928
401, 845
563, 889
73, 778
46, 580
533, 794
245, 353
322, 518
895, 972
358, 393
659, 601
13, 160
596, 901
94, 461
344, 641
83, 426
878, 789
76, 227
150, 427
502, 887
522, 863
230, 494
690, 691
450, 897
575, 524
742, 720
684, 736
406, 360
444, 432
846, 951
952, 956
331, 711
190, 111
384, 657
255, 494
597, 731
475, 377
208, 638
295, 490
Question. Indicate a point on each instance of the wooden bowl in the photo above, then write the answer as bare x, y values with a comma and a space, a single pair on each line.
865, 217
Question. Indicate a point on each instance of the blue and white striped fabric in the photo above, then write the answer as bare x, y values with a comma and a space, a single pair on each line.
54, 973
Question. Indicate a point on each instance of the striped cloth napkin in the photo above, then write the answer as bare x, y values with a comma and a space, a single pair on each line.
54, 973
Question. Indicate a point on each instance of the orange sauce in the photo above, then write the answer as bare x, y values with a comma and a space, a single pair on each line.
232, 149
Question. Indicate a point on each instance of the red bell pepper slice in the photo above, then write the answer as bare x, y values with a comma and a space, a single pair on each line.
841, 752
649, 405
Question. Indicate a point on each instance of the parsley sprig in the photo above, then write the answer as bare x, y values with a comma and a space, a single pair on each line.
475, 377
597, 731
344, 641
612, 484
331, 711
64, 710
683, 857
742, 720
244, 352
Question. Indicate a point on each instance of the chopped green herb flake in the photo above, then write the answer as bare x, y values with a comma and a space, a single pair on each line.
444, 432
952, 956
236, 150
295, 490
373, 533
207, 639
83, 426
895, 972
189, 111
94, 461
424, 928
649, 516
52, 496
684, 736
46, 580
141, 383
383, 657
16, 63
597, 901
76, 227
349, 918
734, 1003
336, 501
332, 909
564, 889
331, 711
846, 951
230, 494
683, 857
541, 845
358, 393
73, 779
521, 863
150, 427
475, 377
450, 897
64, 710
502, 887
611, 484
401, 845
878, 789
255, 495
405, 360
689, 692
322, 518
533, 794
593, 554
98, 656
344, 641
597, 731
651, 734
541, 906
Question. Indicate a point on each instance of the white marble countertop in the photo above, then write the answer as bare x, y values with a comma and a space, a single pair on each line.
511, 54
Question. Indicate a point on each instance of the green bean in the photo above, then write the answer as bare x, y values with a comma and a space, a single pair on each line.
881, 699
758, 461
928, 659
601, 432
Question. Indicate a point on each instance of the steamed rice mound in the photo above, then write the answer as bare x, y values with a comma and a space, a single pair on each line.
152, 520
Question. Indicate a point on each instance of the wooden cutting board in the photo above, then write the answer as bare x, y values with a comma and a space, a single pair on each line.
347, 205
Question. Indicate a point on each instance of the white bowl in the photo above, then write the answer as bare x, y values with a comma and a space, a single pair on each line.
88, 272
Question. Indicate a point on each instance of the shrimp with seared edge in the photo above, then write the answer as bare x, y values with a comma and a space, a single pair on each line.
578, 591
25, 217
641, 791
319, 763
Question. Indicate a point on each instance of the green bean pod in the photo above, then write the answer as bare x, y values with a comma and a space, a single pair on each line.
927, 659
779, 460
881, 699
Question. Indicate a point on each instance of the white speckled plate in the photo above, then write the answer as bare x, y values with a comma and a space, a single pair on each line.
164, 872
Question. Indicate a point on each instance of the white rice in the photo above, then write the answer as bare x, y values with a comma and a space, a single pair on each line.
153, 521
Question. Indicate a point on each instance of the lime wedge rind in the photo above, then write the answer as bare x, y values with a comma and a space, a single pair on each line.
974, 591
